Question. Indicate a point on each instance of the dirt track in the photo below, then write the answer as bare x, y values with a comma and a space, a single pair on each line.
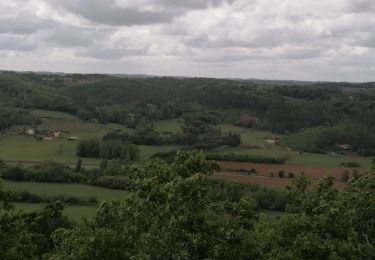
267, 169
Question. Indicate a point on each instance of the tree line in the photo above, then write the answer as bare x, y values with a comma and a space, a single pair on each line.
107, 150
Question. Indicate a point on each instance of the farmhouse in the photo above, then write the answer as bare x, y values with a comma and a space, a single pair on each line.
49, 135
271, 140
30, 131
345, 146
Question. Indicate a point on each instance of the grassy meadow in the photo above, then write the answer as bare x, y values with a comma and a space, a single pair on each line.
54, 189
27, 150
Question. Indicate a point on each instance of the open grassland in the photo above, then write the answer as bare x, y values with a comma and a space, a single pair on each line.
54, 189
309, 159
250, 136
28, 149
25, 149
75, 213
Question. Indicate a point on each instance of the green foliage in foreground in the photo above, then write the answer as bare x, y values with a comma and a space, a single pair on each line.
168, 217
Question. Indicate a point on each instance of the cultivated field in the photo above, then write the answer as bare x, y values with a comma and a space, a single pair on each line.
273, 169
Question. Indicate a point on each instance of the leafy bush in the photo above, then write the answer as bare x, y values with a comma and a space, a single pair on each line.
351, 164
25, 196
113, 182
266, 198
43, 172
107, 150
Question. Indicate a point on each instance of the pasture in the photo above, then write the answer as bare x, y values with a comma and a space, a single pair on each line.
28, 150
75, 213
54, 189
250, 136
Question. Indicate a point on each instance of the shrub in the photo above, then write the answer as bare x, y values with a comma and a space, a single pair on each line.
344, 176
351, 164
113, 182
25, 196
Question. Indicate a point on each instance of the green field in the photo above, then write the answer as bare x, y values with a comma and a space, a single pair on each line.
257, 138
250, 136
54, 189
73, 212
163, 126
27, 149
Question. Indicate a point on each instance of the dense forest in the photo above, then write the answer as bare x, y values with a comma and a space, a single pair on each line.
296, 111
174, 212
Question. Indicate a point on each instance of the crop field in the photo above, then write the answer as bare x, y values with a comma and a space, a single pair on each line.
268, 169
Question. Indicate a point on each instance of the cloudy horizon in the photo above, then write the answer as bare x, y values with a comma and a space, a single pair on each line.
332, 40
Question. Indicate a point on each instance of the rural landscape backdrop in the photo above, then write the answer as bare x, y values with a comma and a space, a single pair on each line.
187, 129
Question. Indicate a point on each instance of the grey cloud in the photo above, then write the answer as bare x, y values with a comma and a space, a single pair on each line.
23, 24
264, 38
16, 43
68, 36
226, 55
361, 5
109, 53
107, 12
191, 4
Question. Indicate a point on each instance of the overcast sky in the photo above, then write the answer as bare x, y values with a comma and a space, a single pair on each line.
268, 39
